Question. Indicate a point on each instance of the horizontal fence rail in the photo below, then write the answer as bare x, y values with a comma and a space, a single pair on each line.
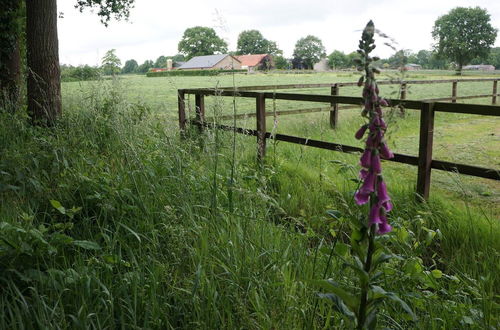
427, 108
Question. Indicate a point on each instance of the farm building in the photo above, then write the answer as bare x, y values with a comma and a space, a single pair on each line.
412, 67
479, 67
256, 61
212, 62
322, 65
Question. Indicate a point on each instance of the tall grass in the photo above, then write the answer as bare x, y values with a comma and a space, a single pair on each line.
157, 232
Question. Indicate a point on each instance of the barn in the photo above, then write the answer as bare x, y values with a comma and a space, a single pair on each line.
255, 62
212, 62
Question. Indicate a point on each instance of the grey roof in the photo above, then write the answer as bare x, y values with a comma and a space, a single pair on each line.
207, 61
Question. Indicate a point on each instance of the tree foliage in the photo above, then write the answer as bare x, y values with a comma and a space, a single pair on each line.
130, 66
144, 67
281, 63
111, 64
463, 34
119, 9
161, 62
199, 41
339, 60
253, 42
308, 50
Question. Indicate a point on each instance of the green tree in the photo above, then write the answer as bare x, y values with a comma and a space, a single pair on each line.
161, 62
423, 58
338, 60
111, 63
308, 50
494, 58
281, 63
199, 40
130, 66
464, 34
253, 42
42, 49
144, 67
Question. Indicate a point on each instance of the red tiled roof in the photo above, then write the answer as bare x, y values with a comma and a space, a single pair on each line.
251, 60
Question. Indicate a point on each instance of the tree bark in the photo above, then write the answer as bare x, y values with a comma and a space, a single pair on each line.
42, 47
10, 58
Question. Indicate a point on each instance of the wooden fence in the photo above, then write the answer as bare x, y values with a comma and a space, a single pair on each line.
427, 108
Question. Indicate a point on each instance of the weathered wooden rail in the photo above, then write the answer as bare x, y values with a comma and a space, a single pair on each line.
423, 161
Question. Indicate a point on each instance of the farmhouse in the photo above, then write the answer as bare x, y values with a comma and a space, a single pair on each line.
256, 61
479, 67
212, 62
412, 67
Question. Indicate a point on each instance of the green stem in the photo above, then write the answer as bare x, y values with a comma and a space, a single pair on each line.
363, 303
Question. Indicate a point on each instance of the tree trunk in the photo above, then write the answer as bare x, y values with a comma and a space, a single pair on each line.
10, 59
44, 82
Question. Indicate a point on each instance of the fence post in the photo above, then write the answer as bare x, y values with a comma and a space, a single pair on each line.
425, 150
182, 109
260, 103
334, 111
200, 110
403, 91
454, 92
494, 97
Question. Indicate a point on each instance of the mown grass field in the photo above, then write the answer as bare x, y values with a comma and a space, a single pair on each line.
110, 220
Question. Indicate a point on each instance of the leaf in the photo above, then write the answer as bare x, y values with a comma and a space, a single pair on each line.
339, 304
350, 300
57, 205
342, 249
87, 245
334, 214
436, 273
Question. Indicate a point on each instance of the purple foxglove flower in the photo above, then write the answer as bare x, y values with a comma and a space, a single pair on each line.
370, 143
382, 194
374, 216
387, 205
363, 174
383, 102
361, 198
376, 166
359, 134
365, 160
384, 227
383, 124
369, 183
385, 152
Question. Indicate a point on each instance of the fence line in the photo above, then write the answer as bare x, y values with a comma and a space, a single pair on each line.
424, 161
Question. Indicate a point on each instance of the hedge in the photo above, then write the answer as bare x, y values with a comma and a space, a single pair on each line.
191, 73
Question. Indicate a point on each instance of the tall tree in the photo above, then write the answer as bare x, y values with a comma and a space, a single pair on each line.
463, 34
253, 42
130, 66
44, 86
111, 63
200, 40
144, 67
308, 50
10, 57
44, 76
338, 60
161, 62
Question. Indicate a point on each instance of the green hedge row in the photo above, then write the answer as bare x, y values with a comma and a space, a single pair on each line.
191, 73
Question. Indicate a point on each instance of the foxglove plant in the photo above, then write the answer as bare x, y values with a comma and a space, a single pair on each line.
367, 253
373, 189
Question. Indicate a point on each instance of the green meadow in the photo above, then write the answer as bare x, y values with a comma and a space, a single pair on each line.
111, 220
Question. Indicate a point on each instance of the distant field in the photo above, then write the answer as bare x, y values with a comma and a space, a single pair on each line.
460, 138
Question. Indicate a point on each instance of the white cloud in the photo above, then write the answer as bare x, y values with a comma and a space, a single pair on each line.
156, 26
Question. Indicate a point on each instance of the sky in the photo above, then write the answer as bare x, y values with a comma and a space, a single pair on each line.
155, 27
